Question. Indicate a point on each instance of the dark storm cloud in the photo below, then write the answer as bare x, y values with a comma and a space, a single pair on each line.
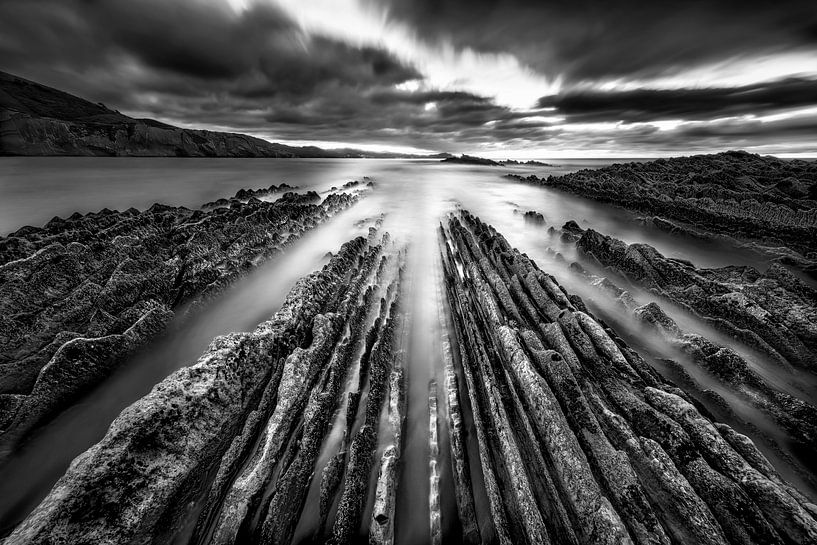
593, 39
202, 63
438, 118
179, 49
395, 96
695, 103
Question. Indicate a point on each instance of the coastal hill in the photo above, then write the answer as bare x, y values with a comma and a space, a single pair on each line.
39, 120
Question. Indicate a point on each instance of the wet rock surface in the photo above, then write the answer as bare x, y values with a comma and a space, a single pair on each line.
774, 312
623, 455
540, 424
238, 433
80, 294
763, 199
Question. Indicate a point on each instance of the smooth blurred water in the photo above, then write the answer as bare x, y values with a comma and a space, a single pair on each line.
414, 195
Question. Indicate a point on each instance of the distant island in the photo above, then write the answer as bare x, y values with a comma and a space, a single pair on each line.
473, 160
36, 120
470, 160
529, 163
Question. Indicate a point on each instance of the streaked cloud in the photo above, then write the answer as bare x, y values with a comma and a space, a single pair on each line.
515, 77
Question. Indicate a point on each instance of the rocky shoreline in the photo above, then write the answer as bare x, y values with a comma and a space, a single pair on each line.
81, 294
770, 314
544, 424
768, 201
774, 312
135, 485
626, 456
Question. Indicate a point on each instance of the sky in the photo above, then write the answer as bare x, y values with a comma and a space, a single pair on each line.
513, 78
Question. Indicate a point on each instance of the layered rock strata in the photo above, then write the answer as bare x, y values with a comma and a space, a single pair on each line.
231, 443
244, 195
695, 359
435, 529
773, 312
80, 294
381, 527
795, 416
765, 199
457, 439
354, 492
580, 440
557, 430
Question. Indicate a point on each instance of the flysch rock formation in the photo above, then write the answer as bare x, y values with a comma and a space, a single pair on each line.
223, 451
639, 279
294, 432
80, 294
774, 312
795, 416
580, 440
768, 201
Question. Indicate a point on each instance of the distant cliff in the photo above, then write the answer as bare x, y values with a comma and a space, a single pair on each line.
40, 120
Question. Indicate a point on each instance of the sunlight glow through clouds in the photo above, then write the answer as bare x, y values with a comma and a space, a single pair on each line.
444, 67
505, 79
502, 76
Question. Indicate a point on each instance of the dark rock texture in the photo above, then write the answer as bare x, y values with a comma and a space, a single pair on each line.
81, 293
471, 160
532, 216
242, 428
134, 485
580, 440
764, 199
774, 312
556, 430
796, 417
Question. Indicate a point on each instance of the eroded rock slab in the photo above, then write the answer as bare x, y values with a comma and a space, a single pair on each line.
774, 312
138, 482
620, 454
80, 294
764, 199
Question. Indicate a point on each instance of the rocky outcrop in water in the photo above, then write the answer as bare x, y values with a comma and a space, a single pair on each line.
381, 527
795, 416
243, 195
774, 312
580, 440
470, 160
233, 440
557, 430
764, 199
80, 294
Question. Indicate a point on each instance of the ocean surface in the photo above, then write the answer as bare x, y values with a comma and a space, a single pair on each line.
414, 195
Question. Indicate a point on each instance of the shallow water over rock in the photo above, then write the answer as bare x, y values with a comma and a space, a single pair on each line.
408, 201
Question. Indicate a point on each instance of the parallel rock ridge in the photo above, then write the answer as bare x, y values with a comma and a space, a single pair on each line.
234, 439
580, 440
80, 294
558, 431
734, 193
773, 313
